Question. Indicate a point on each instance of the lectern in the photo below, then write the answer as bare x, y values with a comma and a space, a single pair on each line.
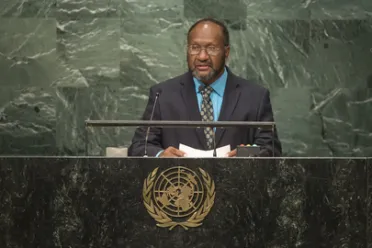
51, 202
185, 202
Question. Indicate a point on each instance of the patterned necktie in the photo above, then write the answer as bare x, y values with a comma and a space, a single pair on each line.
207, 114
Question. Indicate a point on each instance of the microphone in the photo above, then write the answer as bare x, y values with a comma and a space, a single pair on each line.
151, 116
214, 144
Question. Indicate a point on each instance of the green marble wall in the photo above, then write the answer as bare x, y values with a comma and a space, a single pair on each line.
65, 61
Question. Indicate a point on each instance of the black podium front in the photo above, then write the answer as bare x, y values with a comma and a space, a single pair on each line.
149, 202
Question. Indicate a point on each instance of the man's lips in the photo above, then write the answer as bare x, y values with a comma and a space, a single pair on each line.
202, 67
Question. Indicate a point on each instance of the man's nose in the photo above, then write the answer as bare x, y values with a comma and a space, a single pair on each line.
203, 55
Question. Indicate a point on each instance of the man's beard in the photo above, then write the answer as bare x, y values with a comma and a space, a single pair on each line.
213, 73
207, 77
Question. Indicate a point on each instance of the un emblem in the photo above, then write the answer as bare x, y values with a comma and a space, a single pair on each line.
178, 196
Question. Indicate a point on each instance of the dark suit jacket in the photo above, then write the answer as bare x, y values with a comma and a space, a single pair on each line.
242, 101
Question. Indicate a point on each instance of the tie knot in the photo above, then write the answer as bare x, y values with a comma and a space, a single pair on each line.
206, 91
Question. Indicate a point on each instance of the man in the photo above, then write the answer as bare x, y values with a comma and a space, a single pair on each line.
209, 91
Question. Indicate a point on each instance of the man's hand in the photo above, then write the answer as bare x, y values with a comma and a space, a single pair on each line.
171, 152
232, 153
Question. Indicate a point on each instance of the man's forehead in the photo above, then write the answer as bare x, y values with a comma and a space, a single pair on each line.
206, 27
206, 30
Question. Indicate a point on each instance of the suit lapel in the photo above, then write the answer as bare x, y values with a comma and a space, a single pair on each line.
230, 100
191, 104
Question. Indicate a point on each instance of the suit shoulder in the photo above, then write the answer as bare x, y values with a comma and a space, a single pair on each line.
251, 85
169, 84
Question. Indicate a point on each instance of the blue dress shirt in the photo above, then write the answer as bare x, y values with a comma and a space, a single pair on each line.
217, 94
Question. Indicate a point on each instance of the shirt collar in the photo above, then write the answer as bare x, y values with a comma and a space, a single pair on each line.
218, 85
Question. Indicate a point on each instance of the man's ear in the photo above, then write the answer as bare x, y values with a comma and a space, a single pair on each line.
227, 52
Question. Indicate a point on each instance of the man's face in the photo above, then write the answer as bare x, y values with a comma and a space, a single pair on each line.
206, 53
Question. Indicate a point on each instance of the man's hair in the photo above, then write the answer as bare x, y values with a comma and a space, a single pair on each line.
225, 31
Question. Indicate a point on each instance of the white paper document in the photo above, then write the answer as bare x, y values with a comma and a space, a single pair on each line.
196, 153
